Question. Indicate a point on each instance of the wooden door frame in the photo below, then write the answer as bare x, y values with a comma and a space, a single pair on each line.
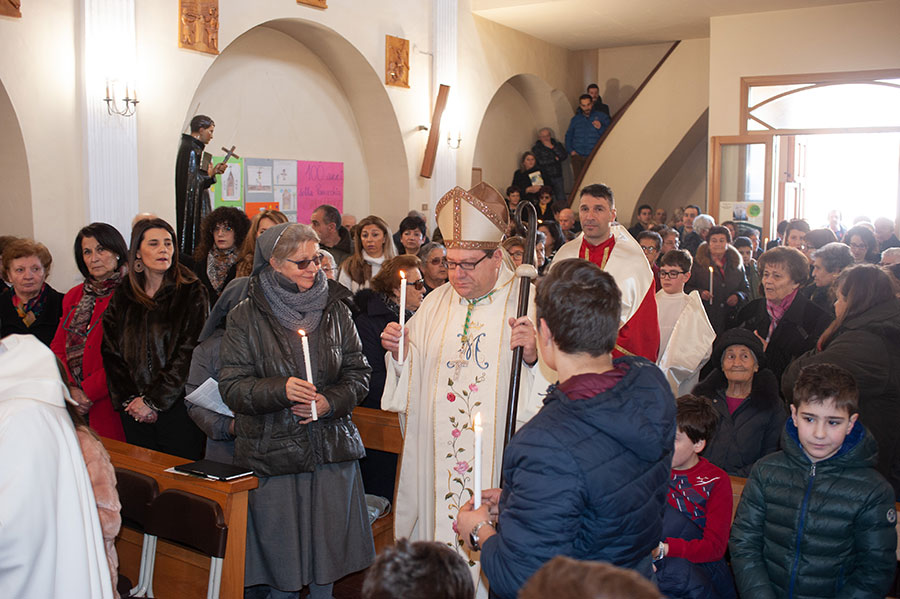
715, 180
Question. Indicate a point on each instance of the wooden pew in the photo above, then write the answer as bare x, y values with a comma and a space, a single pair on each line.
181, 572
381, 430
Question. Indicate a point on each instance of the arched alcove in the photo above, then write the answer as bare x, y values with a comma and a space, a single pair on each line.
297, 90
519, 108
15, 198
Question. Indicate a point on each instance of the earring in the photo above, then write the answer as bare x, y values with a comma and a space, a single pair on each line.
138, 265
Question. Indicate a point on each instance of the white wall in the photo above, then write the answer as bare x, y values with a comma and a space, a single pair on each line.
275, 98
15, 197
846, 37
620, 71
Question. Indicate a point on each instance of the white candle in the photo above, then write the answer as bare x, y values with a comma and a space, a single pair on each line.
710, 285
305, 342
478, 442
402, 312
765, 243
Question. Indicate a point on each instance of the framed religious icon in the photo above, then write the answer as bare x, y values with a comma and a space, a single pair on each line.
396, 61
10, 8
198, 25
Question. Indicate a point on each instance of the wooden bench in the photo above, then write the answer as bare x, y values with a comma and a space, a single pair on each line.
181, 572
380, 430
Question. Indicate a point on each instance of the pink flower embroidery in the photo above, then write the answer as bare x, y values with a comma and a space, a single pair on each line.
473, 387
462, 467
456, 433
451, 397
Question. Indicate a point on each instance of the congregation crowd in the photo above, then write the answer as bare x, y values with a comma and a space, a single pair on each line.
784, 357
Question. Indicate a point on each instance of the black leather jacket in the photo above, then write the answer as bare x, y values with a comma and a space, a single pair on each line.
257, 360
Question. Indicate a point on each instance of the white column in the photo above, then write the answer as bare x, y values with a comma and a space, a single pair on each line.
110, 141
445, 59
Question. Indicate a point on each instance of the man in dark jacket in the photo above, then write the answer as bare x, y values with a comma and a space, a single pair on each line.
585, 130
333, 236
587, 477
192, 182
550, 155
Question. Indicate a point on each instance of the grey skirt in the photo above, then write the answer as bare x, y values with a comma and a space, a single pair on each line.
308, 528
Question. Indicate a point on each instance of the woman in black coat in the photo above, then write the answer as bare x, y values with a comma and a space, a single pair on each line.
729, 288
522, 178
745, 395
307, 522
786, 322
377, 307
865, 339
150, 329
30, 306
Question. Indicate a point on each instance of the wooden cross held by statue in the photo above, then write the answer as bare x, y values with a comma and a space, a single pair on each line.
228, 154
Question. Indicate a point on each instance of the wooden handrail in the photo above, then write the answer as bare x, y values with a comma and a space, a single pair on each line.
580, 178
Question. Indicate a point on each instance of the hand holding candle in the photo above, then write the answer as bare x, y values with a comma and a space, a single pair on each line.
309, 378
479, 432
402, 313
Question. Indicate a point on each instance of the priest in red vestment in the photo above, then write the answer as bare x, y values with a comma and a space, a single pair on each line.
608, 244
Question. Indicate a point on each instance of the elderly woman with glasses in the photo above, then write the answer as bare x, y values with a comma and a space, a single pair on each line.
718, 274
101, 256
30, 306
292, 402
434, 271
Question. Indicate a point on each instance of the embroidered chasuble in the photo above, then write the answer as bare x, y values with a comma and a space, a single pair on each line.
458, 365
622, 257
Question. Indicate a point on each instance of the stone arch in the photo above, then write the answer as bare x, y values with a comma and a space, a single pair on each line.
15, 200
294, 89
521, 106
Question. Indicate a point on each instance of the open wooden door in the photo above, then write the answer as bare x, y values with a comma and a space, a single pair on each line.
741, 182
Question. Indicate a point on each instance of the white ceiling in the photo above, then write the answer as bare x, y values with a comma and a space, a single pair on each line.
588, 24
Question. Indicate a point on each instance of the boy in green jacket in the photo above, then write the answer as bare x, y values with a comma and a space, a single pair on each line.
816, 519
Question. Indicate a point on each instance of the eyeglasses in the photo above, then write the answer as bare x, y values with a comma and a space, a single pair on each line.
670, 274
649, 249
223, 227
436, 261
463, 265
859, 246
419, 285
304, 264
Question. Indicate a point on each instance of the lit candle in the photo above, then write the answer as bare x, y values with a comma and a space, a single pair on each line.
305, 342
765, 243
402, 311
710, 285
478, 442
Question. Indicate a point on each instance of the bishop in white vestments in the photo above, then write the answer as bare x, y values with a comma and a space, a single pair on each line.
456, 363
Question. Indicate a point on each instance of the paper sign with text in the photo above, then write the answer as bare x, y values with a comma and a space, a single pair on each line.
318, 183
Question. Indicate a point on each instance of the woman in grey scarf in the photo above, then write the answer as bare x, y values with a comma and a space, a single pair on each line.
307, 523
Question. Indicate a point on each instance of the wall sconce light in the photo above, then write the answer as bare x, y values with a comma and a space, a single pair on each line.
112, 105
454, 138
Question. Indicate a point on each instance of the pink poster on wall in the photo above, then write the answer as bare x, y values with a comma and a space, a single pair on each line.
318, 183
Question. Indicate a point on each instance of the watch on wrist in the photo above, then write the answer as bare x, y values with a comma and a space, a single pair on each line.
474, 541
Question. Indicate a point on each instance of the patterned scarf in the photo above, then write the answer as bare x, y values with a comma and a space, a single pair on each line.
776, 310
31, 310
79, 325
293, 308
394, 307
218, 263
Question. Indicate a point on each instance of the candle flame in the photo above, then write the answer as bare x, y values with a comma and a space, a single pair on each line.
478, 420
402, 275
301, 332
710, 269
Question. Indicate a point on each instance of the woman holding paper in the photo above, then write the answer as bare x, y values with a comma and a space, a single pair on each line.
310, 504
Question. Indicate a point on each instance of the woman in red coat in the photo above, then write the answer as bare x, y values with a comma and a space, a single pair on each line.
101, 255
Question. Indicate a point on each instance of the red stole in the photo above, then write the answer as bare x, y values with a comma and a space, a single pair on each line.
640, 335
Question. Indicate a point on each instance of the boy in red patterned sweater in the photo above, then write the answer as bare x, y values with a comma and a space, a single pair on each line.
690, 560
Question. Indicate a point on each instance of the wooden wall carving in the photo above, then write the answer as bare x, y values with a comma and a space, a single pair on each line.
396, 61
198, 25
316, 3
10, 8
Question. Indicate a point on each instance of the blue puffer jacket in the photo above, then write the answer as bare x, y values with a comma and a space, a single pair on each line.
586, 479
582, 136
